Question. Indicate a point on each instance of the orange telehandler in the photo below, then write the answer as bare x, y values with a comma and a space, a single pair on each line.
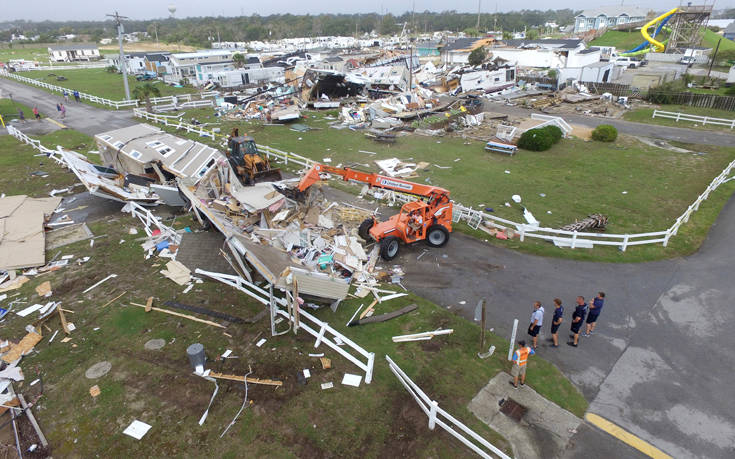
429, 218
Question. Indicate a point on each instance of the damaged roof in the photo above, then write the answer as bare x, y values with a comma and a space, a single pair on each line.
144, 144
467, 44
570, 43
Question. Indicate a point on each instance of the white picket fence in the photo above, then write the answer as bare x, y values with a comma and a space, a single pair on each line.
446, 421
319, 329
149, 220
571, 239
174, 121
703, 120
474, 218
116, 104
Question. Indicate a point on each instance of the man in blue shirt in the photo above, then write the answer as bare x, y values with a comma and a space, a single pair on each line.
595, 310
577, 319
556, 322
537, 320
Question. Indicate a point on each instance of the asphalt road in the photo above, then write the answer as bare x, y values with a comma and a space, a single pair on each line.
660, 363
686, 135
79, 116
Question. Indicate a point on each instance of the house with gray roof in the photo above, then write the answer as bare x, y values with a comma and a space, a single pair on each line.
73, 53
607, 16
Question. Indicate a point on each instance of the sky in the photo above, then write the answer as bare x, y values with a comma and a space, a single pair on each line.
150, 9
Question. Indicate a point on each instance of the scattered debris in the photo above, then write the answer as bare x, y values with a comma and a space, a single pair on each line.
592, 222
421, 336
351, 380
137, 429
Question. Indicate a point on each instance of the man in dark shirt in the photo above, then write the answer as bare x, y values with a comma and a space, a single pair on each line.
556, 322
595, 310
577, 319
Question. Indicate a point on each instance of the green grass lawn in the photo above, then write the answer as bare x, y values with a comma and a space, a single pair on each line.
18, 161
98, 82
157, 387
577, 178
30, 54
621, 40
710, 39
9, 110
645, 115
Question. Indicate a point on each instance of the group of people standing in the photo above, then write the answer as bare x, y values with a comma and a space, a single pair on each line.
582, 309
60, 107
591, 310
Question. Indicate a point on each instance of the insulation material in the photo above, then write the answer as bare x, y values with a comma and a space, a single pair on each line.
177, 272
394, 167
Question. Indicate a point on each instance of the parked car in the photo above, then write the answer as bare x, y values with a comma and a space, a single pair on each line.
627, 62
688, 60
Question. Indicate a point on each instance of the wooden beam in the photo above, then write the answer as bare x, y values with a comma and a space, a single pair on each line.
268, 382
110, 302
63, 320
185, 316
149, 304
384, 317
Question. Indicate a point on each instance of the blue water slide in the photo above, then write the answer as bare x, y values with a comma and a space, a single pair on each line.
646, 43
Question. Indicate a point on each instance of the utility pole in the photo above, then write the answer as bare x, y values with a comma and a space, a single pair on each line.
123, 66
712, 61
477, 26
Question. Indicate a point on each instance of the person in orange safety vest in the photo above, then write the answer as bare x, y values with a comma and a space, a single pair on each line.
520, 361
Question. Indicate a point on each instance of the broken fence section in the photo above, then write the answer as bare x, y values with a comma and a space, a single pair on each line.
321, 330
432, 410
150, 220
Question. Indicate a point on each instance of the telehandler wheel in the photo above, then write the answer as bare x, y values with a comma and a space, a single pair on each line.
389, 248
364, 229
437, 236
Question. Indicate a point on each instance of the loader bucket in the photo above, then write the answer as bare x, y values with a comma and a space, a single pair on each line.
272, 175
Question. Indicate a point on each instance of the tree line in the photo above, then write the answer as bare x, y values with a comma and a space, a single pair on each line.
201, 31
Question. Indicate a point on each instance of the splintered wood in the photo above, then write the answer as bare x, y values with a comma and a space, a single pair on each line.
23, 347
94, 391
267, 382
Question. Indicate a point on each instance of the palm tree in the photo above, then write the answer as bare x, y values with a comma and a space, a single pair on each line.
145, 92
239, 60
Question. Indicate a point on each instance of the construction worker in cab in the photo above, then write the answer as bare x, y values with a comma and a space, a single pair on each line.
520, 361
415, 222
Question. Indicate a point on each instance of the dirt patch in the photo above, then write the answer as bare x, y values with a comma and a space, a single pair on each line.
432, 345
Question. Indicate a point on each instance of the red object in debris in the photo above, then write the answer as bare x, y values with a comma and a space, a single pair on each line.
156, 232
501, 235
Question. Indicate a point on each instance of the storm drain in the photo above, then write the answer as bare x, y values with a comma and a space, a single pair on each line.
513, 409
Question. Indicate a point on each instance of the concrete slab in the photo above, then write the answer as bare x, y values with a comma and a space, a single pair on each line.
98, 370
155, 344
544, 430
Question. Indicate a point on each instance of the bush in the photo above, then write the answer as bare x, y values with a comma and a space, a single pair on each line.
605, 133
536, 140
554, 131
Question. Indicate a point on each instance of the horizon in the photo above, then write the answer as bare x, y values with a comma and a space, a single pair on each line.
186, 9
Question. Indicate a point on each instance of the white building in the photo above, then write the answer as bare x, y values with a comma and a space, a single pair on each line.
491, 80
188, 66
607, 16
547, 53
72, 53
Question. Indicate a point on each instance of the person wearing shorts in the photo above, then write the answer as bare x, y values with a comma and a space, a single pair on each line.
595, 310
556, 322
520, 361
577, 320
537, 320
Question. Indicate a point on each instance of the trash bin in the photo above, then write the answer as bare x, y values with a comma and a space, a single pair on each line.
195, 352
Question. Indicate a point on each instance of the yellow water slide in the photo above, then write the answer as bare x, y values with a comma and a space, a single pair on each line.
657, 45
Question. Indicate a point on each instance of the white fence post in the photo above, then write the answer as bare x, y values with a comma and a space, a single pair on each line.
512, 339
432, 414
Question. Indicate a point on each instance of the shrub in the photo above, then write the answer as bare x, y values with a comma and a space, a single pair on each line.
605, 133
554, 131
536, 140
